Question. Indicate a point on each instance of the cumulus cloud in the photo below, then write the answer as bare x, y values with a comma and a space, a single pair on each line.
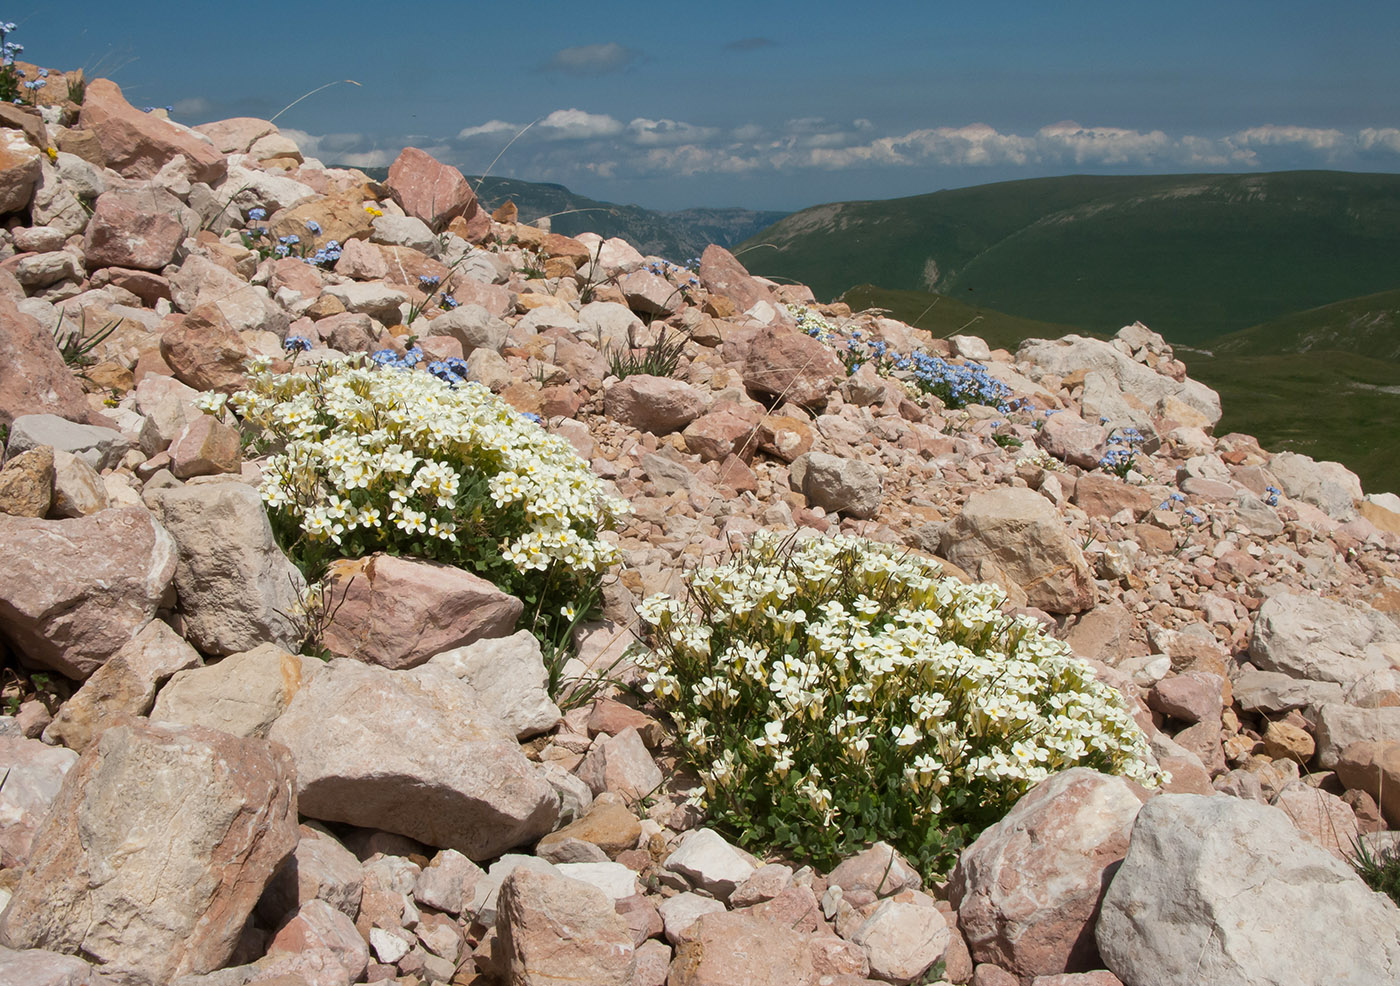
592, 59
574, 142
661, 132
489, 128
579, 125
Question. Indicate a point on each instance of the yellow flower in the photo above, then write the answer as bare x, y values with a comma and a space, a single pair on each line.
52, 152
374, 210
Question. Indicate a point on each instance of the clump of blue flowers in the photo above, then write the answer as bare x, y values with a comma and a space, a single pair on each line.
259, 238
14, 86
955, 384
1121, 455
1271, 495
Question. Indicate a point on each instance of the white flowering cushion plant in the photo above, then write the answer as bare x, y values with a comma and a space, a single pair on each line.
835, 691
382, 459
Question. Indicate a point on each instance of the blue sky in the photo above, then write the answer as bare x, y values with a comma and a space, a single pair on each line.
772, 105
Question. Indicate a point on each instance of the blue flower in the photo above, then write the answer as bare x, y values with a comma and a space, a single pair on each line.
312, 226
257, 213
296, 344
427, 282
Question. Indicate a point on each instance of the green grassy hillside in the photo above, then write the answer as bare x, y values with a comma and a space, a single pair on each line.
1369, 326
1192, 256
1326, 404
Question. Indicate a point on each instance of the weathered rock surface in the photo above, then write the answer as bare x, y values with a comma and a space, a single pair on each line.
139, 145
123, 686
845, 486
242, 695
74, 592
1325, 640
32, 775
399, 612
509, 676
158, 846
412, 752
556, 931
236, 588
1027, 891
1198, 896
1017, 535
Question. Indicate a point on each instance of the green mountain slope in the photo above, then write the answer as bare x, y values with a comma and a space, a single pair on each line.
677, 236
1192, 256
1369, 326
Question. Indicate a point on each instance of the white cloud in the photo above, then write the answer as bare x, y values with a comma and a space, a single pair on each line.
579, 125
489, 128
1385, 139
592, 59
667, 132
1274, 136
571, 142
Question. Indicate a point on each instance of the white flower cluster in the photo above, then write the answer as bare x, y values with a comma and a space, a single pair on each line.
388, 453
830, 663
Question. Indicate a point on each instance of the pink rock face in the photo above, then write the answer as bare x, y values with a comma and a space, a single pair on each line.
1104, 496
622, 765
131, 228
721, 273
33, 774
649, 293
786, 364
1193, 696
236, 134
19, 170
205, 447
742, 947
1067, 436
398, 612
655, 404
74, 592
320, 944
414, 753
1027, 891
430, 190
138, 145
205, 352
1017, 535
36, 380
362, 261
159, 844
729, 430
557, 931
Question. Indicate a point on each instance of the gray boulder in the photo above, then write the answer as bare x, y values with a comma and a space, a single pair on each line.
1325, 640
236, 589
413, 752
846, 486
1222, 890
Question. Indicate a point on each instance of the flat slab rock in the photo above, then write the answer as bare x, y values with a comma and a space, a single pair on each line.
1223, 890
159, 844
413, 752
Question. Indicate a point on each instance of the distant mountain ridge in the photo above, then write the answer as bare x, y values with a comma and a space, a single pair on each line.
1193, 256
677, 236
